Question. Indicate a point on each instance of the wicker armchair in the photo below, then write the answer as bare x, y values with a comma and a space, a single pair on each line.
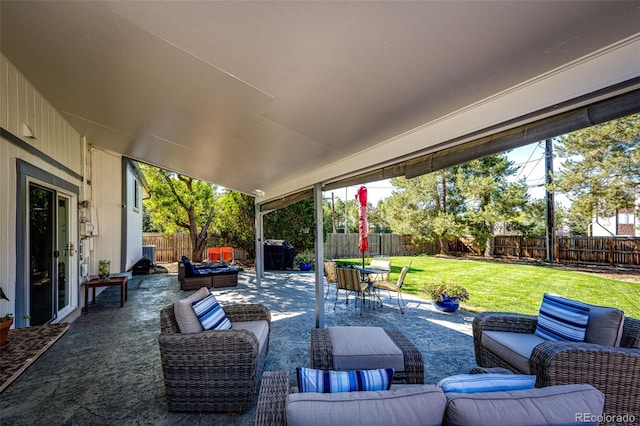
212, 370
613, 370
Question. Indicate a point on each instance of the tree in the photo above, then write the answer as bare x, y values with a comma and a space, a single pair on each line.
179, 202
489, 197
235, 220
601, 167
533, 220
424, 207
293, 223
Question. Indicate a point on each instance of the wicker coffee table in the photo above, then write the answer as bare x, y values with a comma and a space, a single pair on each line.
322, 356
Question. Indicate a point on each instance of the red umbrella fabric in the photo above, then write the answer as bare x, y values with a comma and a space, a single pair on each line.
363, 228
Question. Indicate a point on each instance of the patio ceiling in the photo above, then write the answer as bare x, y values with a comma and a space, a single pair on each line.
277, 96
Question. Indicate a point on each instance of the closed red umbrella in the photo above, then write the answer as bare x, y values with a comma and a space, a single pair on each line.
363, 228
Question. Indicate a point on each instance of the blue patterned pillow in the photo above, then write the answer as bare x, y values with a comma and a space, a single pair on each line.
210, 314
472, 383
329, 381
562, 319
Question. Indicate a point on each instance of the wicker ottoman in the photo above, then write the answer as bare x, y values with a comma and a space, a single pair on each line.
322, 355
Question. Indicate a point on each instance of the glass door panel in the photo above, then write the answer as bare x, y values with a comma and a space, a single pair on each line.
41, 267
64, 250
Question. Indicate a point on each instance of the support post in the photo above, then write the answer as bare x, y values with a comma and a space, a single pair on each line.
319, 250
259, 261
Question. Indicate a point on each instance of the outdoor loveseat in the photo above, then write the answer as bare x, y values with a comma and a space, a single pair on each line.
212, 370
280, 404
193, 277
608, 359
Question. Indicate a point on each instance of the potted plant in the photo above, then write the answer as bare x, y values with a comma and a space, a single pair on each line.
6, 322
103, 269
305, 261
446, 295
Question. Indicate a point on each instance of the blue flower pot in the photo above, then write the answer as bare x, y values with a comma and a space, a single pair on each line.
306, 266
448, 304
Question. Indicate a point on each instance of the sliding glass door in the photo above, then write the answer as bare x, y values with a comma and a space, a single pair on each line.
50, 250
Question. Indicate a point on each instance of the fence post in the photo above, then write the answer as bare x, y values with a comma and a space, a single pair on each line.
610, 242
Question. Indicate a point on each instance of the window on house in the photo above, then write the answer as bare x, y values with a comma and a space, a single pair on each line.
136, 196
624, 218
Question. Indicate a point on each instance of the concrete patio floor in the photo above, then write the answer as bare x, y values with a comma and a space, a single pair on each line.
106, 369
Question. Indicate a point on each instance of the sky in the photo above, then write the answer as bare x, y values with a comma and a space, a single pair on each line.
529, 157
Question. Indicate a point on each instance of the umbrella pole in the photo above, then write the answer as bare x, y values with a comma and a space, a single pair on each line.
363, 259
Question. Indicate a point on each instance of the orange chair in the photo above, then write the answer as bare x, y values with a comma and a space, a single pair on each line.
214, 254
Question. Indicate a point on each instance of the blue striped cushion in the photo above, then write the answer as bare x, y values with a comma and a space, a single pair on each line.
210, 314
562, 319
472, 383
329, 381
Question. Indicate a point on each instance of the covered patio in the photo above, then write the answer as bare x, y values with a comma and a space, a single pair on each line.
106, 369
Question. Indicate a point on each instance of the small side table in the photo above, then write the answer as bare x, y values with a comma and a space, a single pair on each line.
95, 282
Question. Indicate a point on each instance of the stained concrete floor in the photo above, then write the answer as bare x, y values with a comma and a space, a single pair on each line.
106, 369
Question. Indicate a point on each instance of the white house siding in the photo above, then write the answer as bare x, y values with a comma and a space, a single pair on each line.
107, 200
21, 103
603, 227
134, 218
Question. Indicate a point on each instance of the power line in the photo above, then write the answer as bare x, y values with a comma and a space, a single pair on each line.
528, 159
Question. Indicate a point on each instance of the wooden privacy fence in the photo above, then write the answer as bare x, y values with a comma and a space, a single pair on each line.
611, 251
346, 245
170, 248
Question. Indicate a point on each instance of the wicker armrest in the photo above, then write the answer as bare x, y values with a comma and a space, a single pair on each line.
614, 371
505, 321
232, 343
247, 312
274, 389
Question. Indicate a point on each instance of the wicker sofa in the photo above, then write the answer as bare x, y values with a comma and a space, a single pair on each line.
207, 276
214, 370
613, 370
280, 404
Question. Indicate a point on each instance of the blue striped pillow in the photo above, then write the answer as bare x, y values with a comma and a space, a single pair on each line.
211, 314
562, 319
472, 383
330, 381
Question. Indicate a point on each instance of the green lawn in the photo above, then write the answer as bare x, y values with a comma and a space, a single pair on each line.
515, 288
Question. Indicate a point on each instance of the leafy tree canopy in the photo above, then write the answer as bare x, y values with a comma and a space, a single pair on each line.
601, 167
180, 203
235, 220
293, 223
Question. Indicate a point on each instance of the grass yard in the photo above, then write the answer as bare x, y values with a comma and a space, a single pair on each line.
512, 287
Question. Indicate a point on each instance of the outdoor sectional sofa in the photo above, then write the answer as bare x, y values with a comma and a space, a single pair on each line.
280, 404
608, 359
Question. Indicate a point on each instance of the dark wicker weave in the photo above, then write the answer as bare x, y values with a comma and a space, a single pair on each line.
212, 370
615, 371
272, 398
322, 357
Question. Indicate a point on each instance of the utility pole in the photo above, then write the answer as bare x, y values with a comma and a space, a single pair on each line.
550, 210
346, 213
333, 213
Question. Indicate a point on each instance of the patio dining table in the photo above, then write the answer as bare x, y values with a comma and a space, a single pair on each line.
371, 289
